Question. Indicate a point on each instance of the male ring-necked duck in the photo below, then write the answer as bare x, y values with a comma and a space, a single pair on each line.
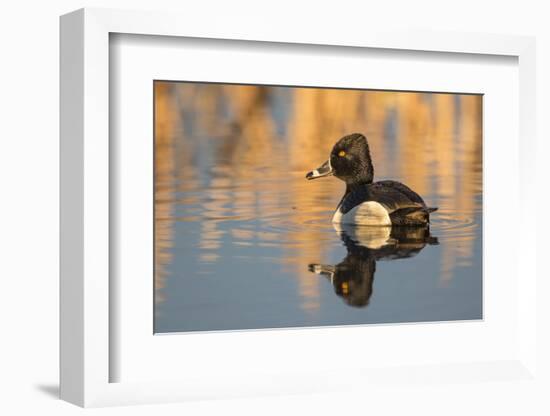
365, 202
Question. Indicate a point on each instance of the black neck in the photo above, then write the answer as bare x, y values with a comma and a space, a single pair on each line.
353, 186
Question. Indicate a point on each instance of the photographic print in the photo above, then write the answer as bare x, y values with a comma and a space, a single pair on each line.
289, 206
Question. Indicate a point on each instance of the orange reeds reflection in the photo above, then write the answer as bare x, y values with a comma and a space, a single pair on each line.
239, 153
167, 126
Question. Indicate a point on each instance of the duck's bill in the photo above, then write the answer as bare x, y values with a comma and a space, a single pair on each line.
323, 170
326, 269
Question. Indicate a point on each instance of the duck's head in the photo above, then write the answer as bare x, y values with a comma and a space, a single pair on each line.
352, 278
349, 161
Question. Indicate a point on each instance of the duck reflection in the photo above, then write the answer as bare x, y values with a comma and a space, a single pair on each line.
353, 277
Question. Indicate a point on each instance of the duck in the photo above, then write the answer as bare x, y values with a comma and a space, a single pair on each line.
352, 278
365, 202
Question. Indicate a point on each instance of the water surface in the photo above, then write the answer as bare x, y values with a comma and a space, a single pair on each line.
243, 241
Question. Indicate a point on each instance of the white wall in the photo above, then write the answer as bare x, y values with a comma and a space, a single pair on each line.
29, 207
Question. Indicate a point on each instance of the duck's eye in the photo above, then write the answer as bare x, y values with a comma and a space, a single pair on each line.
345, 288
341, 153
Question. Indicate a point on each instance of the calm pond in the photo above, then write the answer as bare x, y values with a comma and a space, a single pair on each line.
243, 240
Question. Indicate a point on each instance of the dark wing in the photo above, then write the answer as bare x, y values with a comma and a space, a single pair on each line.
394, 196
403, 189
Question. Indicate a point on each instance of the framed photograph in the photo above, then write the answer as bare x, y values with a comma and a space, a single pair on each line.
267, 213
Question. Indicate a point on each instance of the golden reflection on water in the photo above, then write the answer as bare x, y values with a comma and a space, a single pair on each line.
166, 127
242, 152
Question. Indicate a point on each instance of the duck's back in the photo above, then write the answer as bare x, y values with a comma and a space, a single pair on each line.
383, 203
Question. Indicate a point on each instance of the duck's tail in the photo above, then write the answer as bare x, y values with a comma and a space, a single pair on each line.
430, 210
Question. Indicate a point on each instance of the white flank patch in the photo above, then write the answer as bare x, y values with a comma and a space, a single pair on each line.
367, 213
370, 237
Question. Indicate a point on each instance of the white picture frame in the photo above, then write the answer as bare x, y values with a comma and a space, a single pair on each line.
86, 356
